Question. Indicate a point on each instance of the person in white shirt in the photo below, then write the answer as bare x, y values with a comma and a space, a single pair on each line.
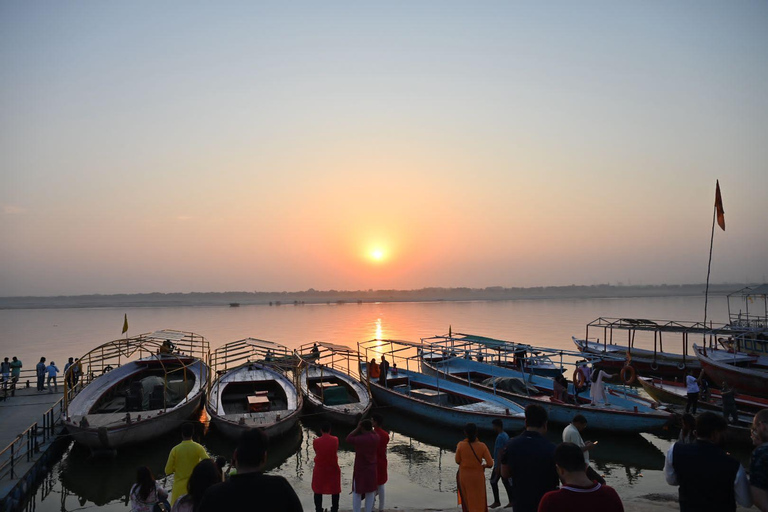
709, 479
572, 434
692, 386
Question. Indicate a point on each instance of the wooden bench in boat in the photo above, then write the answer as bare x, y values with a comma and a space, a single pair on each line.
430, 395
258, 403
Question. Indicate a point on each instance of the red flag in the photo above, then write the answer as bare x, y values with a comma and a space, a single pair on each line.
719, 207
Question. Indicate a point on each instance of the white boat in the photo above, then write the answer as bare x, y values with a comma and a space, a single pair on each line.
258, 392
136, 389
328, 385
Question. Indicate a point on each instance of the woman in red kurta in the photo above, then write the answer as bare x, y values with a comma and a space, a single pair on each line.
381, 457
473, 457
326, 477
366, 443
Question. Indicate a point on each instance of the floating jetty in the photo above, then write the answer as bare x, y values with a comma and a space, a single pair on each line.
31, 434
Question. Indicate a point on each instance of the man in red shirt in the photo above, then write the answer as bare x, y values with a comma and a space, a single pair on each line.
326, 477
366, 443
578, 492
381, 457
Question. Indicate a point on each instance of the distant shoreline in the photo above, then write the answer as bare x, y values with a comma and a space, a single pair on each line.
311, 296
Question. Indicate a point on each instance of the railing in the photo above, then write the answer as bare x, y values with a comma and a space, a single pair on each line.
27, 444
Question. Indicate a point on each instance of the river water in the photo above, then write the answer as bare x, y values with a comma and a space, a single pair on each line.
422, 468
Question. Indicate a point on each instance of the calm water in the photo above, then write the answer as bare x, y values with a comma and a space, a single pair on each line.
422, 468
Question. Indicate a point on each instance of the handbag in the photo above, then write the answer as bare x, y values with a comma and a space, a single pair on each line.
162, 506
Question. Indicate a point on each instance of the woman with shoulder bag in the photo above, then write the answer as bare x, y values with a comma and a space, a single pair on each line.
473, 458
146, 494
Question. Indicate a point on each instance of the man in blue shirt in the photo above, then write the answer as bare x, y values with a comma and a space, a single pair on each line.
498, 447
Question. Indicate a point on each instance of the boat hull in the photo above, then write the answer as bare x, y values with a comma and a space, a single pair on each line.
140, 431
743, 380
234, 430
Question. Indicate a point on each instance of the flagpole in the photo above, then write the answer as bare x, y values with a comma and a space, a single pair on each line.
709, 267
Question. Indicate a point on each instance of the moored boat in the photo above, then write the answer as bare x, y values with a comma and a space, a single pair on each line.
433, 398
672, 392
744, 373
254, 388
136, 389
328, 386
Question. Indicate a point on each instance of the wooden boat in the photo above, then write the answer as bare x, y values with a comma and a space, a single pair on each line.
644, 361
328, 387
627, 411
672, 392
742, 372
136, 389
531, 359
434, 399
254, 388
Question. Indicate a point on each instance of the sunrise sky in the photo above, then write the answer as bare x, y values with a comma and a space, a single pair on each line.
213, 146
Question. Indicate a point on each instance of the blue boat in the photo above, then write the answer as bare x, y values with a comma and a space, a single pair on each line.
627, 412
438, 400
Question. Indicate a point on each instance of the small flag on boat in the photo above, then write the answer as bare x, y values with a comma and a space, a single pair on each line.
125, 324
719, 207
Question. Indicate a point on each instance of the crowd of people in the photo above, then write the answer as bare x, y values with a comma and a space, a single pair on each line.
46, 375
537, 475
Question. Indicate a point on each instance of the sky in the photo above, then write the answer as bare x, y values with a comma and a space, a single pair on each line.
216, 146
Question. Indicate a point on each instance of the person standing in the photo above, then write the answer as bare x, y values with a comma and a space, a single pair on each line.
183, 459
40, 370
326, 476
205, 475
15, 373
688, 430
572, 434
758, 468
366, 443
146, 492
598, 387
728, 396
5, 371
692, 387
501, 441
69, 375
709, 479
52, 371
473, 458
250, 488
373, 369
383, 368
529, 461
381, 458
579, 491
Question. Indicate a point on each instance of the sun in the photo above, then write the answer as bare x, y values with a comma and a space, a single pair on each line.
377, 254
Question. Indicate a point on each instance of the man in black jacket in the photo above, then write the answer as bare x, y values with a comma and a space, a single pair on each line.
529, 460
250, 489
710, 480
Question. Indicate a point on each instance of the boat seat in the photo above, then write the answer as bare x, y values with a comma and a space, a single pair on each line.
135, 398
156, 398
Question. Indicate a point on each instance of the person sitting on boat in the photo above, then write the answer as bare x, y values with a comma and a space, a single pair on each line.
167, 347
374, 371
730, 412
558, 389
580, 374
268, 357
598, 387
315, 350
